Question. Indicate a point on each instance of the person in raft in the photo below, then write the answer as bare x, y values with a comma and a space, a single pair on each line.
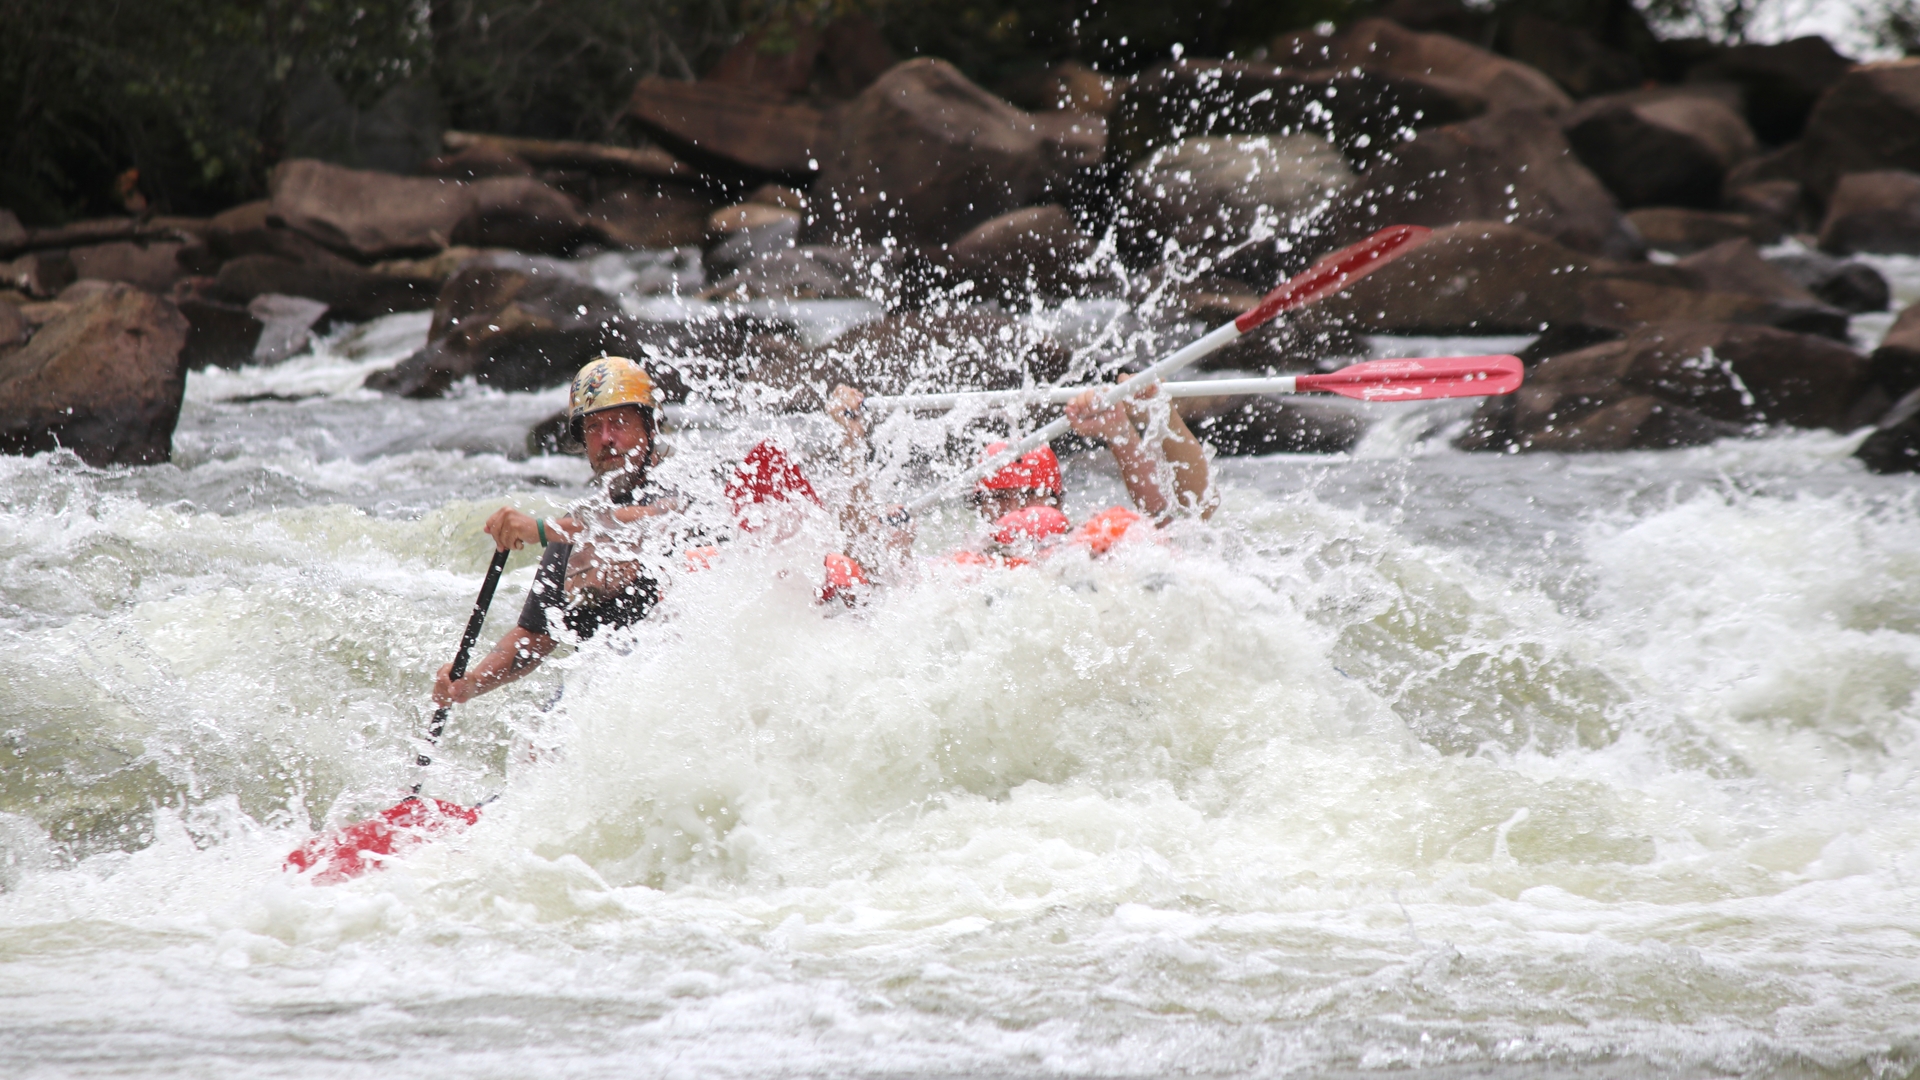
591, 575
1161, 462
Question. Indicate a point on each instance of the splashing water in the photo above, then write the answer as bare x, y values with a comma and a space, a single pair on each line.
1409, 760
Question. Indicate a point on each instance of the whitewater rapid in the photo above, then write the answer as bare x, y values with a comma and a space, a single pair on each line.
1411, 759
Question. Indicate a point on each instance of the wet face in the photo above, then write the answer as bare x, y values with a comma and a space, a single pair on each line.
996, 503
617, 439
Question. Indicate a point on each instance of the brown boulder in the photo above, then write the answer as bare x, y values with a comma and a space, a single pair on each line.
1360, 108
1668, 150
1781, 203
1874, 211
1868, 121
14, 329
1681, 230
1475, 277
1894, 446
350, 290
807, 272
1735, 266
1514, 166
476, 161
153, 265
651, 215
1781, 82
1575, 59
975, 350
1241, 201
1017, 256
1441, 60
515, 323
1242, 426
923, 155
524, 214
731, 128
1068, 85
38, 273
368, 215
104, 380
1896, 363
220, 333
1847, 284
1622, 302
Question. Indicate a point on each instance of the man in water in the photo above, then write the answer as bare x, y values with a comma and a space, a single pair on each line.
591, 576
1161, 462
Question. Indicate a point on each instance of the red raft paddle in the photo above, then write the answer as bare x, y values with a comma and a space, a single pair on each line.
349, 852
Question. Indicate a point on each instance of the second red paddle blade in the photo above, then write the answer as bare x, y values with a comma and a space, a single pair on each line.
1421, 379
349, 852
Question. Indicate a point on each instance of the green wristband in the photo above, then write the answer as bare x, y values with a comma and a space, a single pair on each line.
540, 527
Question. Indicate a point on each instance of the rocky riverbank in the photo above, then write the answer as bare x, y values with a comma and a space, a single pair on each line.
1645, 237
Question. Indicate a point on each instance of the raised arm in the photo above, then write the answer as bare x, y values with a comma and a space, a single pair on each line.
1146, 463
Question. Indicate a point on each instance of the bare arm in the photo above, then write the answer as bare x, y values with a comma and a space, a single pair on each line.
874, 534
1142, 461
514, 655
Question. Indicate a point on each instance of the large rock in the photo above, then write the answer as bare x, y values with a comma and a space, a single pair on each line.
1847, 284
1868, 121
652, 214
1575, 59
523, 214
1200, 197
1017, 256
1735, 266
1667, 150
1894, 446
806, 272
919, 351
1674, 385
14, 328
1680, 230
923, 155
1359, 108
1514, 167
512, 323
1874, 211
350, 290
38, 273
103, 380
365, 214
1896, 363
152, 265
1781, 81
1439, 59
735, 129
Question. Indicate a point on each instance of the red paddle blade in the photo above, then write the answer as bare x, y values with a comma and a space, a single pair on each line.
1420, 379
1335, 271
352, 851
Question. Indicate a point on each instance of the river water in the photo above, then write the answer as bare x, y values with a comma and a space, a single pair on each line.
1469, 765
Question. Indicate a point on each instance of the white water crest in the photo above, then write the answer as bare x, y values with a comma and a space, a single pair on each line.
1409, 760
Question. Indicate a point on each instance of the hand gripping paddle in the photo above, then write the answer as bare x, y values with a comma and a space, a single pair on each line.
1330, 274
351, 851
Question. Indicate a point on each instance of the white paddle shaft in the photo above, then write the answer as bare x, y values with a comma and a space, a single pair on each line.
1060, 395
1177, 360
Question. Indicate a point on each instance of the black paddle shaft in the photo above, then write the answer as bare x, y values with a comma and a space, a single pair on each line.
480, 605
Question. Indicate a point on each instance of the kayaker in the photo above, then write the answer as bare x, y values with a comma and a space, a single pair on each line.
1162, 464
591, 574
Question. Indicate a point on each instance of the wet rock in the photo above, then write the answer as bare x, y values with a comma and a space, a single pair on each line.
476, 162
352, 291
1780, 82
1201, 198
368, 215
741, 235
220, 333
151, 265
1068, 85
1575, 59
1868, 121
1781, 203
516, 324
103, 380
1243, 426
1681, 230
523, 214
14, 329
807, 272
286, 325
975, 350
1361, 109
1896, 363
923, 155
1442, 61
1514, 167
1848, 285
731, 129
1475, 277
1671, 149
38, 273
1894, 446
1735, 266
1579, 419
1016, 256
651, 214
1623, 302
1874, 211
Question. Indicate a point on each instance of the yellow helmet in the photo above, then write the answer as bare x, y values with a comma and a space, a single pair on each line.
608, 382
